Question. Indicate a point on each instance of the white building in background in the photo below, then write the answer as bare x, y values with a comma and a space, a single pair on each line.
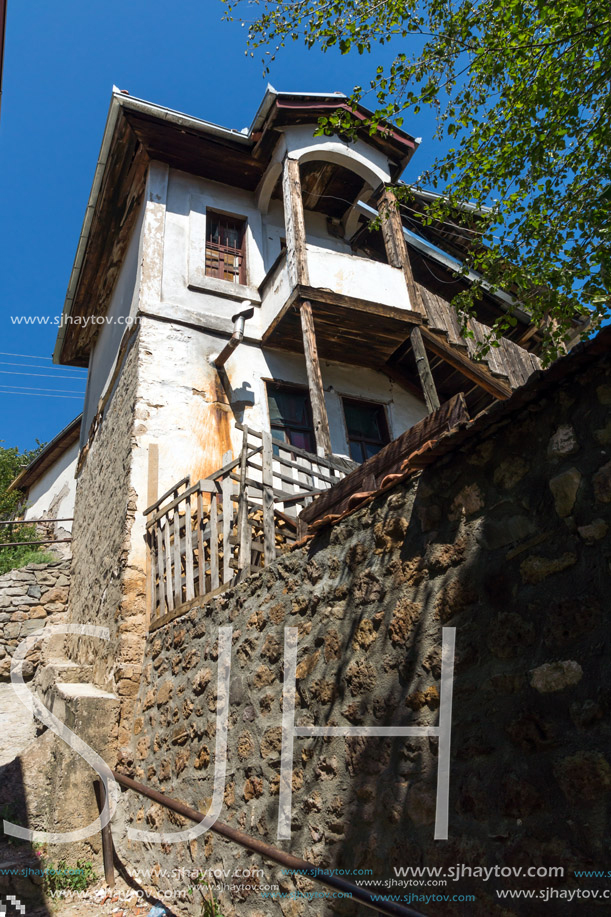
48, 485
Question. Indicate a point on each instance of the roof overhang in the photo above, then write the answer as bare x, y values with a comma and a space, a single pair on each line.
49, 455
138, 132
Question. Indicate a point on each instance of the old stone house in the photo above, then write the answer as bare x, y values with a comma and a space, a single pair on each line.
264, 360
198, 238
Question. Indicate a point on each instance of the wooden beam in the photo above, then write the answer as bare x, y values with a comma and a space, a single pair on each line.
424, 371
389, 460
152, 492
317, 395
396, 248
296, 253
477, 372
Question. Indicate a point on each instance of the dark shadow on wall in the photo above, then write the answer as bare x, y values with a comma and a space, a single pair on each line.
520, 566
20, 868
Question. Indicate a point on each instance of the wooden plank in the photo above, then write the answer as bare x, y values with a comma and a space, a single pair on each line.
396, 248
475, 371
151, 561
424, 371
190, 583
168, 564
454, 335
389, 459
173, 490
325, 478
317, 395
152, 489
160, 569
204, 486
227, 494
243, 524
201, 560
269, 525
362, 310
296, 252
198, 602
214, 543
177, 558
327, 461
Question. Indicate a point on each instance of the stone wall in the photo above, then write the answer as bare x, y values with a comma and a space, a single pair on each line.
30, 598
506, 538
106, 589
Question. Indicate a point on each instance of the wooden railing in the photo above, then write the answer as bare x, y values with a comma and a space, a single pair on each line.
203, 536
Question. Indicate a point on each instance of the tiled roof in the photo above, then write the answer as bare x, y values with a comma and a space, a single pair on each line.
466, 431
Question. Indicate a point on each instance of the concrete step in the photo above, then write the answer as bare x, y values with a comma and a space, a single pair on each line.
83, 707
63, 671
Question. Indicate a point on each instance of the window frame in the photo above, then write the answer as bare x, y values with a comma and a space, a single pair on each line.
241, 252
383, 408
301, 389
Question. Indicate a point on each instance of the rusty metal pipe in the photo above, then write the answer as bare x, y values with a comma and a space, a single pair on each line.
107, 845
239, 322
361, 895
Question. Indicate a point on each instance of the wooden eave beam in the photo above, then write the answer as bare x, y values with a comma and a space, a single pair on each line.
474, 371
115, 217
396, 247
297, 265
294, 223
424, 371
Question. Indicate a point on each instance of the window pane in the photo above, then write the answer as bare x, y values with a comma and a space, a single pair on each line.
302, 440
290, 416
356, 452
364, 420
366, 426
371, 449
290, 407
224, 247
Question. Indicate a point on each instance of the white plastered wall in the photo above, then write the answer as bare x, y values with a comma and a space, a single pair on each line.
251, 367
121, 311
52, 495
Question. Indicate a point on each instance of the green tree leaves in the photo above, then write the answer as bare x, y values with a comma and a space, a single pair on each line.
522, 87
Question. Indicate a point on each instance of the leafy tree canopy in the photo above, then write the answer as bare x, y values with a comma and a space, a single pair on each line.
11, 463
522, 90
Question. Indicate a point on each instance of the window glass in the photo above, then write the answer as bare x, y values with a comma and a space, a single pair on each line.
367, 428
225, 249
291, 416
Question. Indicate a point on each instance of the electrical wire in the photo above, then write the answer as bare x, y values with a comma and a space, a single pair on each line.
41, 395
29, 356
10, 372
60, 369
33, 388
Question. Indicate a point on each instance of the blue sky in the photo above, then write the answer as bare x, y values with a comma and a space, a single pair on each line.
61, 60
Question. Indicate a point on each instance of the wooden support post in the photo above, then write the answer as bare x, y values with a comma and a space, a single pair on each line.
296, 252
424, 371
243, 523
396, 247
227, 494
317, 395
297, 263
107, 845
269, 522
152, 492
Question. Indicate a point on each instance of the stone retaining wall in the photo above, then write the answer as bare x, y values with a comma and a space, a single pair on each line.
507, 540
31, 597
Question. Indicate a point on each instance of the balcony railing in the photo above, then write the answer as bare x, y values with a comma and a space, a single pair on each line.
202, 537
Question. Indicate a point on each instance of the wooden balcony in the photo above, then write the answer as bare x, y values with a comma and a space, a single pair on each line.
203, 537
